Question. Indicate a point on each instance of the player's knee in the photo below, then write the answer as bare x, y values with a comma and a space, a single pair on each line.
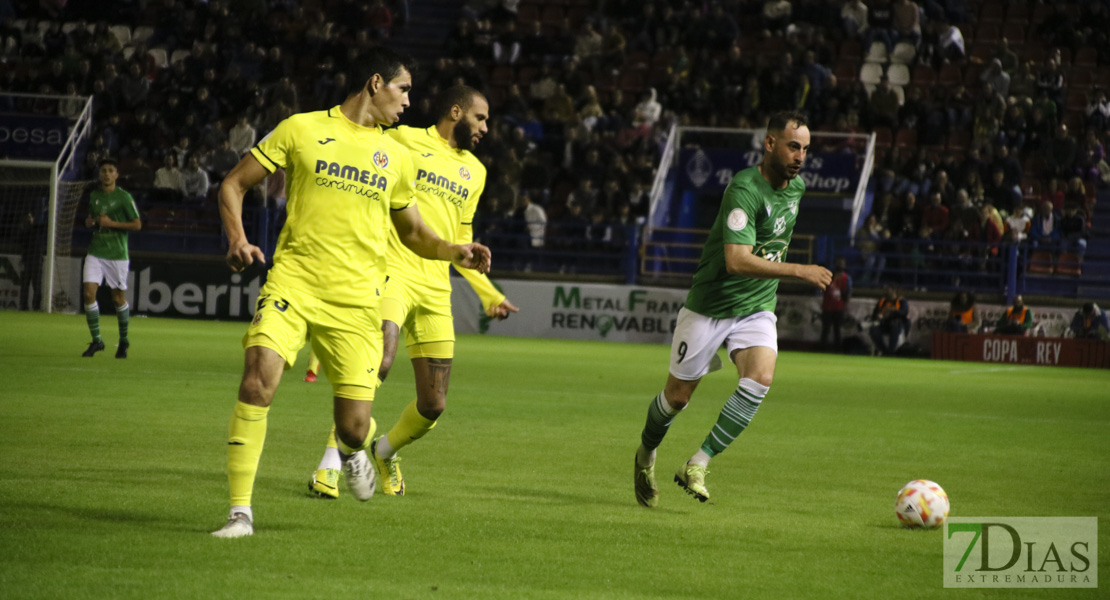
255, 391
431, 408
352, 430
762, 378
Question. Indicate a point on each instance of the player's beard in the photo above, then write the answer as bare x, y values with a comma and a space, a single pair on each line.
464, 136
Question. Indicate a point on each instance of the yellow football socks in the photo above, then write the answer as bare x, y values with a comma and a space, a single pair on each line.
245, 438
410, 427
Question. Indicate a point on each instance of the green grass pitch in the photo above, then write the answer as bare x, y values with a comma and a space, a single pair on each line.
112, 474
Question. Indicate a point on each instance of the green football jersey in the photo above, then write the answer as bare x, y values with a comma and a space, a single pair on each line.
107, 243
751, 214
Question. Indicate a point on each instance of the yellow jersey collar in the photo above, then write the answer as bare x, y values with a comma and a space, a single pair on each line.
434, 134
337, 113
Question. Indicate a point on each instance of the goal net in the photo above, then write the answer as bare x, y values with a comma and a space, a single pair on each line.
41, 144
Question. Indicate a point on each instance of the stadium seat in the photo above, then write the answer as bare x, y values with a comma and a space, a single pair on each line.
1065, 56
1069, 264
924, 76
636, 60
950, 75
846, 71
1031, 189
898, 74
906, 138
982, 51
578, 15
992, 13
1086, 57
1018, 12
871, 73
971, 76
903, 54
631, 81
1081, 78
128, 52
1077, 100
122, 33
553, 15
883, 137
877, 53
501, 75
179, 55
850, 50
1041, 12
160, 59
1014, 33
528, 13
1033, 166
988, 33
1040, 263
959, 139
142, 34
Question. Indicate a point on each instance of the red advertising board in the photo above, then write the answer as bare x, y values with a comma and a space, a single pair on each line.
1017, 350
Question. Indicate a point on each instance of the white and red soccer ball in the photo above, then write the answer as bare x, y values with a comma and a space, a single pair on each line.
921, 503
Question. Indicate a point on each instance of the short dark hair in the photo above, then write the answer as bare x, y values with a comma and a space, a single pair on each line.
781, 119
107, 161
377, 61
456, 95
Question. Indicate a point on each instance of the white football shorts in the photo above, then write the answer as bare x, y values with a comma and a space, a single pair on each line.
697, 339
102, 270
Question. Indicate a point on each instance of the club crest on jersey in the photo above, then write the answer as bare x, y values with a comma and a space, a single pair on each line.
464, 173
780, 225
381, 159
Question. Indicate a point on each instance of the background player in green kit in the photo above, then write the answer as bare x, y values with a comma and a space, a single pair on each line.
112, 212
732, 303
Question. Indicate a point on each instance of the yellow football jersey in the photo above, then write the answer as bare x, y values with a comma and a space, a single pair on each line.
448, 184
341, 181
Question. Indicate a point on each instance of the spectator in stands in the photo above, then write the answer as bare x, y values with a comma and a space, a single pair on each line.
379, 19
169, 184
962, 316
1074, 230
1090, 154
935, 215
884, 105
242, 136
776, 15
1006, 58
1045, 231
195, 181
506, 45
834, 304
221, 160
868, 239
1060, 154
1090, 322
997, 78
1018, 224
535, 219
1098, 111
558, 109
134, 87
891, 322
584, 196
1017, 320
907, 21
1050, 83
880, 25
587, 44
950, 43
854, 19
1000, 193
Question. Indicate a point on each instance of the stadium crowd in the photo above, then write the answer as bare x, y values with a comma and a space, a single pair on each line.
991, 125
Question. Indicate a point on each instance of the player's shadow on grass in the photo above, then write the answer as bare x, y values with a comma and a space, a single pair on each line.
547, 496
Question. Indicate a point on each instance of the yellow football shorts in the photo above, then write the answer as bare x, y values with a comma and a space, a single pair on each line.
346, 339
425, 315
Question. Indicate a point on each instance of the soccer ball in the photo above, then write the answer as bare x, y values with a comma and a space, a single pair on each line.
921, 503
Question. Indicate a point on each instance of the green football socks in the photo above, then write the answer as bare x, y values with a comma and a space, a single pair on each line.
736, 415
123, 315
92, 317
